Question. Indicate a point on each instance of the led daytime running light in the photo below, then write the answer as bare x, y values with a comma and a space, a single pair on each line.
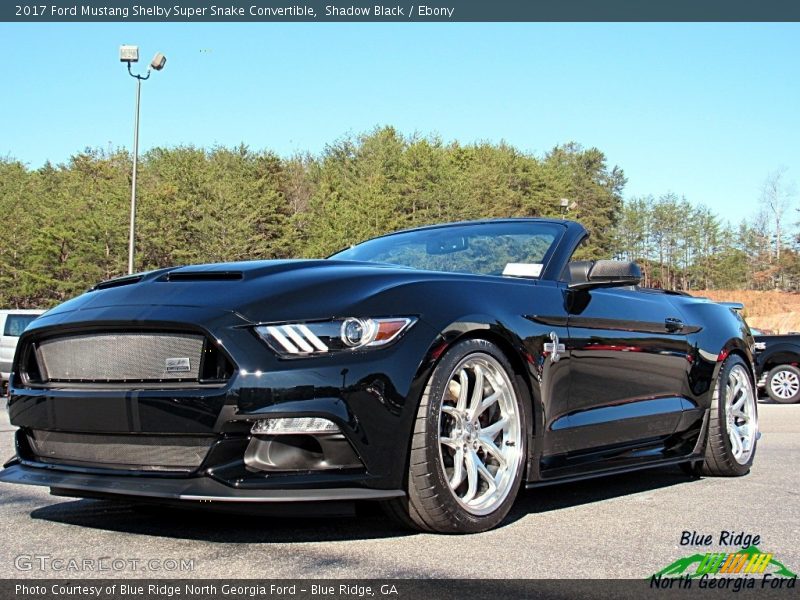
295, 426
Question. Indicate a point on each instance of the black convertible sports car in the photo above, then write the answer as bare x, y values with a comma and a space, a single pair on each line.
436, 370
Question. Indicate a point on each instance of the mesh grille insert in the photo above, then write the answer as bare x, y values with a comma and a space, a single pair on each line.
121, 357
121, 451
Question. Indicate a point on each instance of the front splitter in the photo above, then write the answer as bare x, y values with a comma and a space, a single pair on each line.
203, 489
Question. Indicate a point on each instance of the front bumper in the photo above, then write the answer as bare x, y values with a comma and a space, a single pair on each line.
371, 397
198, 489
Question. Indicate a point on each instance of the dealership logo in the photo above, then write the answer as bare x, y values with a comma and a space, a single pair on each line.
750, 560
178, 365
746, 567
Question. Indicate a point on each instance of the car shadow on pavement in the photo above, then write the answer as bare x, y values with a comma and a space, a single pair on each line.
370, 522
246, 526
566, 495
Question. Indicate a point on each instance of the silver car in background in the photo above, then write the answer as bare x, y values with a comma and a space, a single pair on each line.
12, 324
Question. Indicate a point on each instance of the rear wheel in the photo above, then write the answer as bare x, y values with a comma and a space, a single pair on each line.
469, 443
783, 384
733, 428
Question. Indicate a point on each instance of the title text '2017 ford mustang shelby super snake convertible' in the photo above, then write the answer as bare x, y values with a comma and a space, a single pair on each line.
436, 370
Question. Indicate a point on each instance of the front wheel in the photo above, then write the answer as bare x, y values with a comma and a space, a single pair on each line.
469, 443
783, 384
733, 428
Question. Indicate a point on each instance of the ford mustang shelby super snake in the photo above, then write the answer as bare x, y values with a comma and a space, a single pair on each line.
436, 370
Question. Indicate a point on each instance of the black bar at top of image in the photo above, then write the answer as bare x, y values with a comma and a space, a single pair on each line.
399, 11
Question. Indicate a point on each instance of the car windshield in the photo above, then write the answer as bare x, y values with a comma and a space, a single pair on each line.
503, 248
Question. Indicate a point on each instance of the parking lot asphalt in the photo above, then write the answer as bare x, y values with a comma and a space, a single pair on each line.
624, 526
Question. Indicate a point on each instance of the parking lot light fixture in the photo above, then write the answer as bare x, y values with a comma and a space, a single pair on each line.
130, 54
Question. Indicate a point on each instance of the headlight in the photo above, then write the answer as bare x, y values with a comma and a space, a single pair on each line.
320, 337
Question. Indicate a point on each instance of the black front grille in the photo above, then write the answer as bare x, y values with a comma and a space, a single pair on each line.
122, 451
121, 357
109, 359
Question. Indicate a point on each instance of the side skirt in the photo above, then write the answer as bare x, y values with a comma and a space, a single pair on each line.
616, 471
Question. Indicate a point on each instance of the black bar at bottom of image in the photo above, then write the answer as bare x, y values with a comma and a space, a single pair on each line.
390, 589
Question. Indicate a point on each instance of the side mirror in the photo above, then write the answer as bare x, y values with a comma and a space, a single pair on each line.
603, 273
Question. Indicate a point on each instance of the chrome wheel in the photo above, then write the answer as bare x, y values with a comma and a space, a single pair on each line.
784, 384
480, 434
740, 413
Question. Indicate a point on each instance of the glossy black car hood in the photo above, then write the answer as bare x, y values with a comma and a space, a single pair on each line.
257, 290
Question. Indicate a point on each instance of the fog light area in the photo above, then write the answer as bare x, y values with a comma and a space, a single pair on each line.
294, 426
299, 444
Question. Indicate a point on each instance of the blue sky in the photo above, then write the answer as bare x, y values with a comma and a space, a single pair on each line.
703, 110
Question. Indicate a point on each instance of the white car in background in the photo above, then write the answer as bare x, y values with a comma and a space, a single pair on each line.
12, 324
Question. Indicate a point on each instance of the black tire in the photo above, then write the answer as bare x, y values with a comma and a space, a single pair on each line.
791, 374
431, 505
720, 459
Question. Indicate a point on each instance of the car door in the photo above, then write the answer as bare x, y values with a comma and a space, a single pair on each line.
629, 352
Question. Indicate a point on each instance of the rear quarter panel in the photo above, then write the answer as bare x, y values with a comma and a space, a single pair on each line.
722, 332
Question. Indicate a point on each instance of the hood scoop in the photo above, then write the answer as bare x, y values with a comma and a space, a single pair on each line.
203, 276
118, 282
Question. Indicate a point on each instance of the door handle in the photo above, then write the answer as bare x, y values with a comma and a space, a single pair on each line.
673, 325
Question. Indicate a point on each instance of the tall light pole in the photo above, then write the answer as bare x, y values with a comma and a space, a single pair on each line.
130, 54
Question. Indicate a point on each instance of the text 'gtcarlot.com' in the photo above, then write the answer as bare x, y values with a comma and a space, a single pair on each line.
46, 562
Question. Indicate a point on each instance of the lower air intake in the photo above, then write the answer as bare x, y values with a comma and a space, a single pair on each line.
131, 452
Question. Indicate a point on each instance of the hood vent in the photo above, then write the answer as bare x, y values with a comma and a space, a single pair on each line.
118, 282
204, 276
